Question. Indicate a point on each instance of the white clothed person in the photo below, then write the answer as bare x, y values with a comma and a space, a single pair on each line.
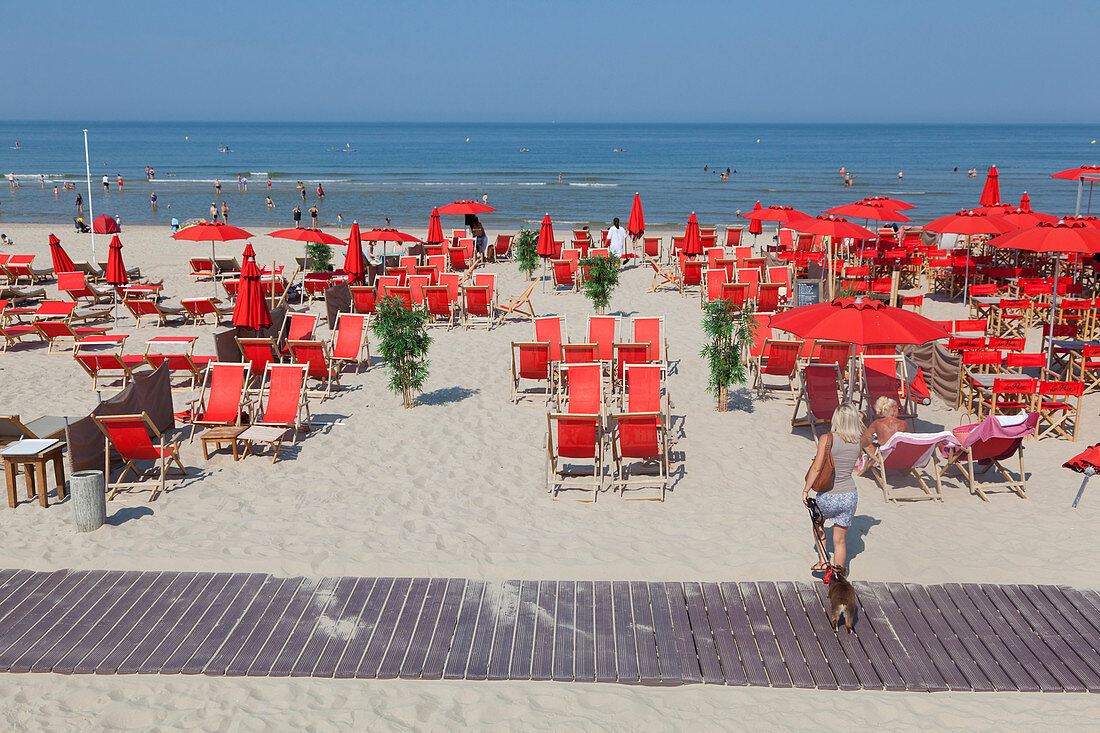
616, 240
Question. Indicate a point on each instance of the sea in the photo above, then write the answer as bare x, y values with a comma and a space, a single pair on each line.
579, 174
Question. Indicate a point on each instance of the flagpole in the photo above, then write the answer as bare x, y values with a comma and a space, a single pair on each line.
88, 172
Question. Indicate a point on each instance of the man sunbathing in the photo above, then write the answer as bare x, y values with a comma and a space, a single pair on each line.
884, 426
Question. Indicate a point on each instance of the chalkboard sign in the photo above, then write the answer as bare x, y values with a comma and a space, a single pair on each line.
807, 292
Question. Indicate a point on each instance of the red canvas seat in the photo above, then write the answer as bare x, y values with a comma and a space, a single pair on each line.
477, 304
646, 391
57, 331
563, 275
314, 355
258, 353
531, 362
101, 357
349, 343
362, 299
141, 308
283, 401
437, 302
822, 391
175, 351
777, 359
581, 389
641, 452
201, 309
551, 329
131, 437
651, 330
989, 443
574, 453
662, 277
223, 398
603, 331
1059, 408
715, 279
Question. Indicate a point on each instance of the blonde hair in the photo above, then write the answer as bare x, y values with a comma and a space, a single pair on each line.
883, 403
847, 424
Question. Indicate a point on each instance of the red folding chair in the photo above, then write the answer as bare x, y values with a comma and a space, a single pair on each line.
349, 343
223, 398
822, 391
574, 453
640, 450
314, 355
531, 361
131, 436
550, 329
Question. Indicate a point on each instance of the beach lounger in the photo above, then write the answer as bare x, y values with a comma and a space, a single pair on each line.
314, 355
822, 391
519, 305
643, 387
651, 330
201, 309
297, 327
284, 401
437, 301
362, 299
459, 259
314, 285
907, 452
651, 248
736, 293
13, 430
141, 308
531, 362
21, 267
76, 286
751, 277
417, 283
777, 359
223, 398
623, 354
580, 389
258, 353
552, 330
995, 439
101, 356
574, 453
16, 333
604, 332
563, 275
691, 273
502, 248
714, 278
733, 236
662, 277
202, 268
639, 448
132, 436
18, 295
350, 343
175, 351
477, 304
59, 331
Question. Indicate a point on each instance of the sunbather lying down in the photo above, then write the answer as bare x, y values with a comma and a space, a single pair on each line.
883, 427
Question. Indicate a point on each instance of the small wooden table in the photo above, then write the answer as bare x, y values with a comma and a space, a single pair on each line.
221, 436
34, 453
263, 434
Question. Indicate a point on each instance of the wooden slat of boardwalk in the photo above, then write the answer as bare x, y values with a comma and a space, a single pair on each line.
907, 637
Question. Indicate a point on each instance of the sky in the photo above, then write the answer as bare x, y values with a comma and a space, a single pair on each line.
564, 61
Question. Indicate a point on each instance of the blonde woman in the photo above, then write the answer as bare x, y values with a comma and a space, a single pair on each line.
839, 502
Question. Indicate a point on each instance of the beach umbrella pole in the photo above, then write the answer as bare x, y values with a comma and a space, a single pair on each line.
1053, 310
213, 269
1080, 183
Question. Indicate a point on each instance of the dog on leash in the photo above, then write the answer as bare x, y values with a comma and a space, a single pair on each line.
842, 599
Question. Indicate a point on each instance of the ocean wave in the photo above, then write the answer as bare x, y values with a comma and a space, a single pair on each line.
594, 185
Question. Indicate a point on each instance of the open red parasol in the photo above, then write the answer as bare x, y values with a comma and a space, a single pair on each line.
465, 207
635, 227
304, 234
895, 204
834, 227
975, 221
780, 214
991, 192
211, 231
867, 209
860, 321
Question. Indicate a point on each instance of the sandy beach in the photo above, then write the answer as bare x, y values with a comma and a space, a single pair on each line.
455, 487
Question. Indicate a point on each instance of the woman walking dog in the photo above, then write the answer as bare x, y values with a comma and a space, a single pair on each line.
830, 475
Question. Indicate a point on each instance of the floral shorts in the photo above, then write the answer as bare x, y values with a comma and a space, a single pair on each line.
841, 508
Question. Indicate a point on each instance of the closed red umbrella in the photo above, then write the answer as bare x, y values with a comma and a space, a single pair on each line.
693, 244
116, 271
545, 247
105, 225
991, 192
1056, 239
635, 227
353, 261
755, 225
465, 207
867, 209
211, 231
250, 310
61, 260
1025, 202
435, 229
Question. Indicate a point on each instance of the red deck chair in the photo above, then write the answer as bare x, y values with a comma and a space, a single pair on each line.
202, 268
623, 354
76, 286
1089, 367
381, 282
736, 293
974, 364
733, 236
223, 398
314, 285
429, 271
988, 443
691, 273
200, 309
175, 351
603, 331
362, 299
141, 308
349, 343
579, 353
907, 452
581, 388
297, 327
132, 437
778, 359
502, 247
780, 276
519, 305
258, 353
315, 355
651, 330
417, 283
730, 266
477, 303
714, 254
767, 297
715, 279
531, 362
551, 329
402, 294
640, 452
284, 400
453, 282
574, 453
102, 357
437, 301
822, 391
563, 275
231, 287
662, 277
972, 327
751, 277
1059, 408
58, 331
458, 257
762, 332
884, 376
651, 247
644, 385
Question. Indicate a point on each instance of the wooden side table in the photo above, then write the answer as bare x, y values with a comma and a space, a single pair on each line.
219, 437
33, 455
263, 434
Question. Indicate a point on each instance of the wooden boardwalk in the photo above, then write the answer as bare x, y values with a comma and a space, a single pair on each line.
908, 637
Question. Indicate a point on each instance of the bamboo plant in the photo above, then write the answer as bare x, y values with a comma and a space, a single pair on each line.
729, 334
601, 277
403, 343
526, 248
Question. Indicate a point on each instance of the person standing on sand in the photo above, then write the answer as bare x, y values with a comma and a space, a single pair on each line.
839, 501
313, 215
616, 238
225, 212
297, 216
79, 204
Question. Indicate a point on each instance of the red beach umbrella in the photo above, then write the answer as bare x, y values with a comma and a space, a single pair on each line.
895, 204
387, 235
250, 310
61, 260
545, 246
1056, 239
304, 234
465, 207
353, 261
975, 221
991, 192
1020, 218
877, 210
831, 226
693, 245
1090, 173
755, 225
211, 231
780, 214
1089, 221
105, 225
635, 227
116, 271
248, 251
435, 229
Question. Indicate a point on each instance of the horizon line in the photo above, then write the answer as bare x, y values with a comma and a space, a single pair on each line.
925, 123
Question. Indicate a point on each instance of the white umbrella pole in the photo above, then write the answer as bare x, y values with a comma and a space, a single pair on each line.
88, 173
1053, 309
213, 269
